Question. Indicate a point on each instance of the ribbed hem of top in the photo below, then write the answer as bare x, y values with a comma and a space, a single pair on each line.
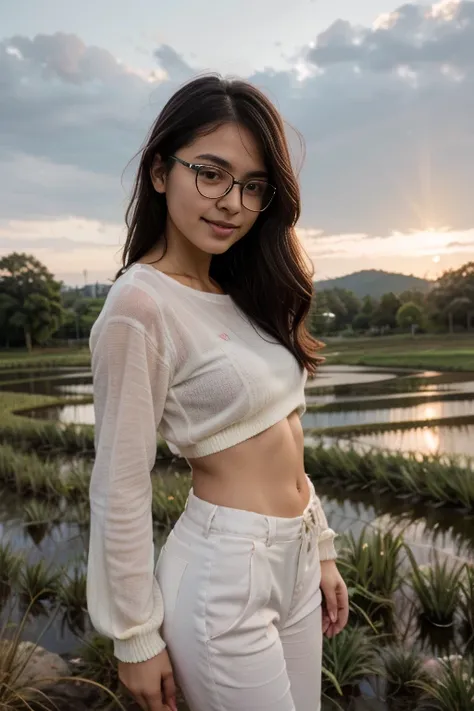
139, 648
327, 550
242, 431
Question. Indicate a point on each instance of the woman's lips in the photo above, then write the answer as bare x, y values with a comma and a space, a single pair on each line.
220, 230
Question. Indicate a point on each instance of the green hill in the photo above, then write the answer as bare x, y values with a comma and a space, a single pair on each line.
374, 282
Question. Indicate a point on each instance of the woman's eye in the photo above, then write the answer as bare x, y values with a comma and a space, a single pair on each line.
254, 188
211, 175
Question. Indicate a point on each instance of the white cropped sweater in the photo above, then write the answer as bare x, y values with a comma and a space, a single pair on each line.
190, 366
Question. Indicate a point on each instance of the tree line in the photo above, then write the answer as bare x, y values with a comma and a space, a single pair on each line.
447, 307
35, 309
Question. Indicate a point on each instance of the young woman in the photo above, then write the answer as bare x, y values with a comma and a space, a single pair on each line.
202, 339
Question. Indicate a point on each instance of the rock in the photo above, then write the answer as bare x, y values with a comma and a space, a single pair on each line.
72, 696
40, 666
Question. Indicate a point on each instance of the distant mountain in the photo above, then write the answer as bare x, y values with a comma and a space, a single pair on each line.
374, 282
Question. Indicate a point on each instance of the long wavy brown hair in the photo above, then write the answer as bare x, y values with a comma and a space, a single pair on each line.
265, 272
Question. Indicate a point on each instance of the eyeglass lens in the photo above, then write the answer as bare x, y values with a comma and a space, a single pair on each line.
214, 182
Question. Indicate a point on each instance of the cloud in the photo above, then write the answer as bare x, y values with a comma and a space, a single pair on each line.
63, 244
172, 63
386, 112
412, 36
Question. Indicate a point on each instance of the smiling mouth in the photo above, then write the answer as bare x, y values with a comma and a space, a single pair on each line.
225, 225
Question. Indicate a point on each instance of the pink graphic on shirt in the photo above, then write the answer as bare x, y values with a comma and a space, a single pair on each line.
224, 336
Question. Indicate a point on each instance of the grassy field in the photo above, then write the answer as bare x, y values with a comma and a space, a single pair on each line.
431, 352
442, 352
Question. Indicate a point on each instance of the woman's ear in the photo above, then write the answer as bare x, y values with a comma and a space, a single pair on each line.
158, 174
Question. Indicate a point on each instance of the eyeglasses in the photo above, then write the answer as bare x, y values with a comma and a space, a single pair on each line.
213, 183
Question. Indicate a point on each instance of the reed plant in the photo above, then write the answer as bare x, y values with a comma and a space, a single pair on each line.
29, 475
370, 565
348, 659
10, 566
41, 435
39, 582
432, 479
169, 498
77, 512
72, 588
452, 689
72, 596
17, 692
437, 588
402, 670
78, 358
99, 664
37, 512
77, 482
466, 604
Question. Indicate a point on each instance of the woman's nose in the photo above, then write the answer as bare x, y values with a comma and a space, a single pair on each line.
233, 200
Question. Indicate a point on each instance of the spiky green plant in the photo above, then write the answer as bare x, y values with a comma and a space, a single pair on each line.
466, 604
370, 566
78, 481
99, 663
431, 478
10, 565
78, 512
348, 658
39, 582
17, 694
37, 512
72, 596
402, 669
437, 588
72, 589
169, 498
452, 690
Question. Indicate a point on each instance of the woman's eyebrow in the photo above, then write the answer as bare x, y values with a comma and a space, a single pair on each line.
227, 166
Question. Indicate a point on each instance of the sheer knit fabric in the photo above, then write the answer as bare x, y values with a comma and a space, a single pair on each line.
188, 365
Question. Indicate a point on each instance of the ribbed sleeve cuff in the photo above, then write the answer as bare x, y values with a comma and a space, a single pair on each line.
327, 550
139, 648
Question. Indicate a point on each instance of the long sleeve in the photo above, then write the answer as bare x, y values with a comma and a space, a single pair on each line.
130, 381
327, 550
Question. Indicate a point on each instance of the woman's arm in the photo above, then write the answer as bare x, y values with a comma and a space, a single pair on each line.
131, 381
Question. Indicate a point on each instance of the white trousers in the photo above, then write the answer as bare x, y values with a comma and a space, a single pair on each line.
242, 604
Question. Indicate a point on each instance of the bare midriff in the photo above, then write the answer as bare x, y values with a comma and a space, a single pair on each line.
264, 474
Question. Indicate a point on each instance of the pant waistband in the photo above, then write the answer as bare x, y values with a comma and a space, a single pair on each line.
223, 519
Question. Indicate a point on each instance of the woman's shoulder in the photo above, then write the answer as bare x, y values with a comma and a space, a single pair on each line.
137, 300
134, 295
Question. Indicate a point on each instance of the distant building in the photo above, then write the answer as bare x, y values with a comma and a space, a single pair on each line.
89, 291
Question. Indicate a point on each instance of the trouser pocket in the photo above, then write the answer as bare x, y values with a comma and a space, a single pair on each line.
169, 572
239, 586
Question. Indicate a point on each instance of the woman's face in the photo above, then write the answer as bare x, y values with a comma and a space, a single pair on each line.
201, 220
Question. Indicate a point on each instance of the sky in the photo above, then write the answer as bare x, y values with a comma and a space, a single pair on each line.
382, 93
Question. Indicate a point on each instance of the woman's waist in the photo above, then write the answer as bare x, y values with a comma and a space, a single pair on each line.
207, 519
264, 474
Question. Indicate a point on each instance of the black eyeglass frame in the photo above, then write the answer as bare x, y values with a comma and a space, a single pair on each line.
198, 166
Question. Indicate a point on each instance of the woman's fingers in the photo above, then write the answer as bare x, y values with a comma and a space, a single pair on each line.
169, 691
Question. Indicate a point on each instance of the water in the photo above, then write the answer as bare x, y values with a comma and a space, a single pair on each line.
58, 382
458, 441
347, 395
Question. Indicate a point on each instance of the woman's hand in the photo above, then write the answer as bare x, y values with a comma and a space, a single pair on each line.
336, 599
151, 683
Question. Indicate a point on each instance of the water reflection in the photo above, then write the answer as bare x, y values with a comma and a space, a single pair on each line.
68, 414
458, 441
408, 413
349, 395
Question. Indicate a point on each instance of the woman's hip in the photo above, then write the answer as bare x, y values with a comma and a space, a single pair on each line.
223, 570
